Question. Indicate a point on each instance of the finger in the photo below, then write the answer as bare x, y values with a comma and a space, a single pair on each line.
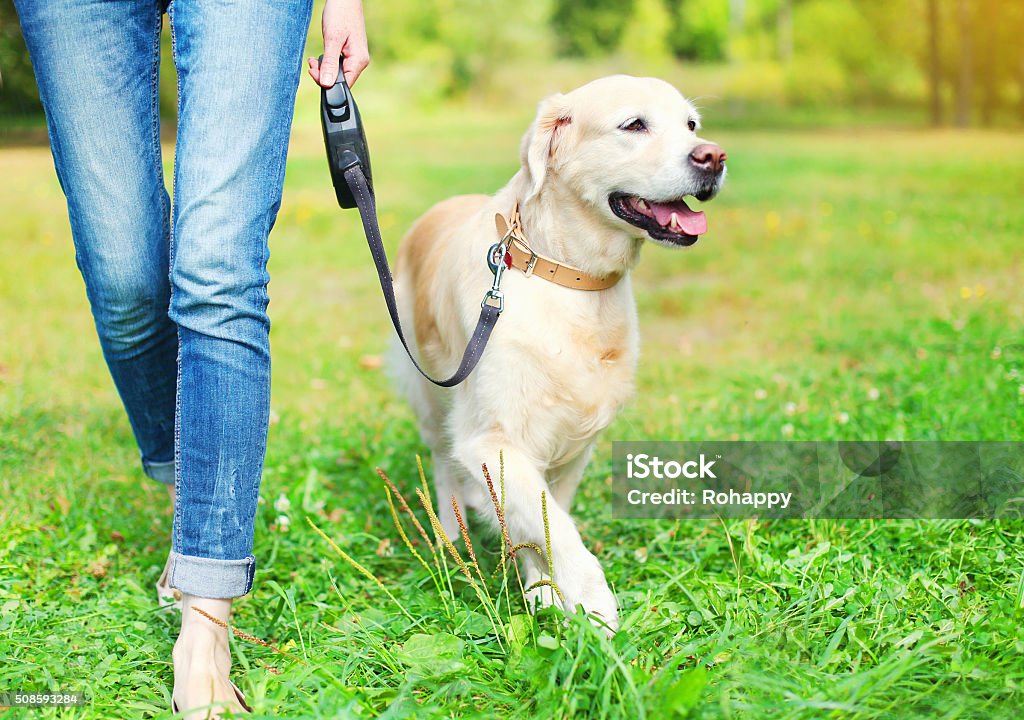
355, 62
329, 67
314, 69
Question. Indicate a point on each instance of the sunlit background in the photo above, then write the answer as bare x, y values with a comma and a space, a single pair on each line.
860, 280
808, 62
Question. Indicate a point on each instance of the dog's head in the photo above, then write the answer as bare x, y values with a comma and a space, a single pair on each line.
628, 148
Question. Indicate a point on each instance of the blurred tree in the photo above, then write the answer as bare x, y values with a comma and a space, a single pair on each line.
478, 37
18, 93
965, 64
589, 28
699, 29
737, 15
998, 31
934, 64
974, 48
841, 52
462, 42
987, 60
784, 23
964, 54
645, 36
401, 29
737, 22
1017, 58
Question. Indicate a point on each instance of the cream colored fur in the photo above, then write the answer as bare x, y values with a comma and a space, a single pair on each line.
561, 362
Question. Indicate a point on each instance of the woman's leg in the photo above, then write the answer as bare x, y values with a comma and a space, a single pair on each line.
238, 67
96, 65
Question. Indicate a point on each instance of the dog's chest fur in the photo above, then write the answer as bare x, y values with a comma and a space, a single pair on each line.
575, 354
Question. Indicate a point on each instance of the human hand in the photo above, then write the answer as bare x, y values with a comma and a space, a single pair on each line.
344, 34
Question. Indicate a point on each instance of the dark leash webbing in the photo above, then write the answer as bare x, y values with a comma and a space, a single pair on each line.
488, 313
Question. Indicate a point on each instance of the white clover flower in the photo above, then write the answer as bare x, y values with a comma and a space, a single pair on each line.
282, 504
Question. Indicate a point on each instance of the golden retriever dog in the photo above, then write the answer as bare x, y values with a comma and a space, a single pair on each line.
604, 168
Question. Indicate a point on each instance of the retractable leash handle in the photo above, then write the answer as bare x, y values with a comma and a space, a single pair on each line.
348, 156
343, 137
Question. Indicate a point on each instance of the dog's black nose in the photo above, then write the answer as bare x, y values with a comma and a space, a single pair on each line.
709, 157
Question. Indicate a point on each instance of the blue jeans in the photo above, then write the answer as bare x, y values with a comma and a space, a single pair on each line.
179, 290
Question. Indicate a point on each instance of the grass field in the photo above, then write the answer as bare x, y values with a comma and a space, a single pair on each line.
853, 285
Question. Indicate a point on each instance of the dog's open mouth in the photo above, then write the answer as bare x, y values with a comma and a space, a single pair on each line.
673, 222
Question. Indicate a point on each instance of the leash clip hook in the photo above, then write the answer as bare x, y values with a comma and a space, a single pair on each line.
497, 252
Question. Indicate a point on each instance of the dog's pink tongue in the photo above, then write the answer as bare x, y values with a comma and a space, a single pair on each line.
692, 223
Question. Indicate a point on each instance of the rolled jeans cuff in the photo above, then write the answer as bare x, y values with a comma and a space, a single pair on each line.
214, 579
160, 471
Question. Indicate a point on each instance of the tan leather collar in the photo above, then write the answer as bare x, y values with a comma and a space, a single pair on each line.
519, 255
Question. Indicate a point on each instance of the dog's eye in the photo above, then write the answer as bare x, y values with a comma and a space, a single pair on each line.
692, 124
634, 125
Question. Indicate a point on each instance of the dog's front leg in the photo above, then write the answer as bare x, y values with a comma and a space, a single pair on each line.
564, 479
576, 571
446, 486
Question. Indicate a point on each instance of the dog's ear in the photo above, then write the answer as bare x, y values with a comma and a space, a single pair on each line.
548, 131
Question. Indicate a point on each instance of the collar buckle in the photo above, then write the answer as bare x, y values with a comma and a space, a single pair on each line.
530, 265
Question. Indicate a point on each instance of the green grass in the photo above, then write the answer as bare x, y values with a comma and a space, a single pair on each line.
854, 285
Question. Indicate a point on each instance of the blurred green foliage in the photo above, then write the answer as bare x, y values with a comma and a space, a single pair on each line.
18, 94
458, 44
644, 37
957, 59
589, 27
699, 29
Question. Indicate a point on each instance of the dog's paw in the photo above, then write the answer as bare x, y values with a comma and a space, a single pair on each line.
602, 610
586, 586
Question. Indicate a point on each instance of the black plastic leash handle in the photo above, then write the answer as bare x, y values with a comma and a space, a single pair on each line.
348, 155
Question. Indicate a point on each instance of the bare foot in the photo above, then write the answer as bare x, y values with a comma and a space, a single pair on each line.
202, 662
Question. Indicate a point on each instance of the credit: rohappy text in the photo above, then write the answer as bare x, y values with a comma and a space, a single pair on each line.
710, 498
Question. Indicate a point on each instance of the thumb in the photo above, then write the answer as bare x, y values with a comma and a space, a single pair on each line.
329, 66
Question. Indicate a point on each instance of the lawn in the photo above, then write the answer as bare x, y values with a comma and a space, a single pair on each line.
855, 284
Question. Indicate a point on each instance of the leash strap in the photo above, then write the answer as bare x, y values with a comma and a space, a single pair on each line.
488, 313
